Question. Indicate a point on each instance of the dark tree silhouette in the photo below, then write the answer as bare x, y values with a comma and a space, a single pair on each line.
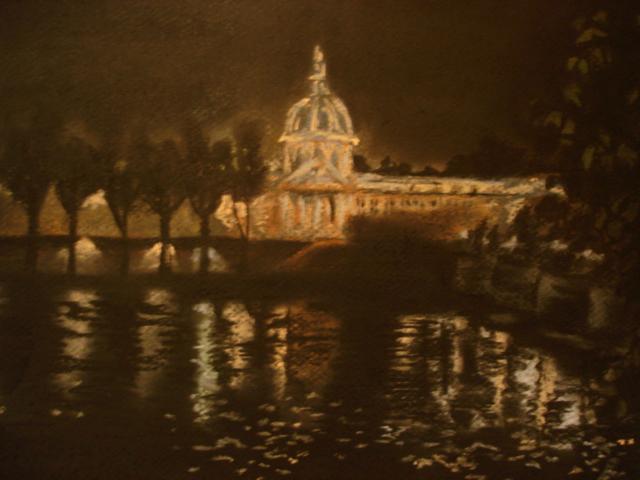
389, 167
162, 186
121, 182
524, 226
27, 165
249, 172
386, 164
404, 169
360, 164
76, 177
477, 236
493, 157
594, 120
427, 171
207, 181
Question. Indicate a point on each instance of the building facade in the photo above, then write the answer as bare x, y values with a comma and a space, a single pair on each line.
315, 192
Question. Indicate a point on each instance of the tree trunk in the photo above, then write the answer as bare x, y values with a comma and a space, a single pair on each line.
33, 232
204, 244
33, 229
238, 222
165, 239
245, 248
248, 227
125, 258
73, 238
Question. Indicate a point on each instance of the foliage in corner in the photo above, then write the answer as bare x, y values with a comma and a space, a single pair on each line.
595, 124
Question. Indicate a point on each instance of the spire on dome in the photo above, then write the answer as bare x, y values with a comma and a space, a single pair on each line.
319, 76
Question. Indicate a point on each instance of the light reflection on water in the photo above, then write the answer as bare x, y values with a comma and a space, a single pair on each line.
312, 346
240, 333
155, 326
96, 258
207, 377
294, 379
242, 323
217, 262
150, 368
150, 260
89, 259
75, 313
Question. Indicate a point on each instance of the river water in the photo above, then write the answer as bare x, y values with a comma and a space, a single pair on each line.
144, 381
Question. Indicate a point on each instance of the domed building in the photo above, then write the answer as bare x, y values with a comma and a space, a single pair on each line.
318, 135
316, 192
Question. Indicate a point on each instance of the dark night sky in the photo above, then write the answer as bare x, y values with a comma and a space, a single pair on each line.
423, 79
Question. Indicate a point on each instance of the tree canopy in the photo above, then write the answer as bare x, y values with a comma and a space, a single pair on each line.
493, 157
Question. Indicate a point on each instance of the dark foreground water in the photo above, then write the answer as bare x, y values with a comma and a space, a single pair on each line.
144, 382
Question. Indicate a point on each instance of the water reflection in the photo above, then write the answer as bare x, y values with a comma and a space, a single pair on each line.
240, 332
88, 260
154, 330
254, 385
75, 314
278, 335
241, 322
216, 262
150, 261
206, 377
312, 346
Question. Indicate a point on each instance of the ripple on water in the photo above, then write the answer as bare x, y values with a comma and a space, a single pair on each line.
258, 388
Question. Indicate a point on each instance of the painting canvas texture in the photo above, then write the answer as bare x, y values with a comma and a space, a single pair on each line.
345, 239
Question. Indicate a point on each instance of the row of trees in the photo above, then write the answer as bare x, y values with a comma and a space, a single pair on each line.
492, 157
390, 167
132, 173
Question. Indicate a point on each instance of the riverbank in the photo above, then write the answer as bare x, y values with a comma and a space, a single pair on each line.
569, 306
97, 256
576, 307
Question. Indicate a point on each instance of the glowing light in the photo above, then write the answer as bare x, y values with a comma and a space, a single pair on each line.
88, 257
74, 316
217, 263
150, 368
151, 259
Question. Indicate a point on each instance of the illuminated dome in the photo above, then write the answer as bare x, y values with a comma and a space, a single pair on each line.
318, 132
320, 114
